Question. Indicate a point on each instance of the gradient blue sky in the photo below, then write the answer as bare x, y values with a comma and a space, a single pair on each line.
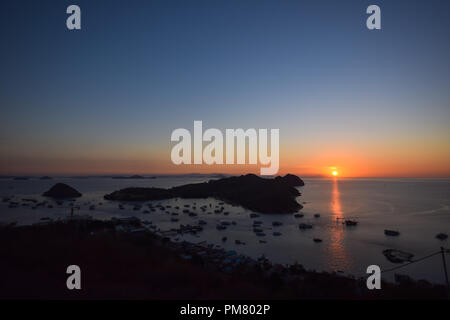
106, 98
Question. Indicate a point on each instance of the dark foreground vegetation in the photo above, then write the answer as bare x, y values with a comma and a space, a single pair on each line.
131, 263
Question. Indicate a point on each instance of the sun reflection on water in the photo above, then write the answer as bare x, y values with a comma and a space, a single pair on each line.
336, 201
338, 259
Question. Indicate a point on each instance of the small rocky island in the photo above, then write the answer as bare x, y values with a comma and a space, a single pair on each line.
258, 194
62, 190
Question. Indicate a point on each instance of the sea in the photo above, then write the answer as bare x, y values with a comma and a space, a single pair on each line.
418, 208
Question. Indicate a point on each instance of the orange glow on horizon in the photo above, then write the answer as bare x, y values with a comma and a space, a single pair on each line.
347, 161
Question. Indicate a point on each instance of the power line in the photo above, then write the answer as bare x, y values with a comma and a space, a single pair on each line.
411, 262
407, 264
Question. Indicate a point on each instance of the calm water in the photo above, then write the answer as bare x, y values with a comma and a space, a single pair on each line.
418, 208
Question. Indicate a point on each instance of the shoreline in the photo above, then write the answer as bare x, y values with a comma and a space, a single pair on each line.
241, 229
122, 253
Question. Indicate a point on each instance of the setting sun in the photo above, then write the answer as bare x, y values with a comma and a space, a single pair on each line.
335, 173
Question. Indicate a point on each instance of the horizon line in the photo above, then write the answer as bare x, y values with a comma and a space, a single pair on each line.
68, 175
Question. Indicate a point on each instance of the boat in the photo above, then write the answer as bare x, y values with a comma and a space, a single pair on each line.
397, 256
349, 223
317, 240
441, 236
299, 215
317, 215
304, 226
392, 233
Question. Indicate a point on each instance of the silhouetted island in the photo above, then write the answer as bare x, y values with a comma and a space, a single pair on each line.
21, 178
132, 177
250, 191
291, 180
62, 190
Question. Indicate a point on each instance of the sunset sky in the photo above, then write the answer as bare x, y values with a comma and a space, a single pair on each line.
104, 100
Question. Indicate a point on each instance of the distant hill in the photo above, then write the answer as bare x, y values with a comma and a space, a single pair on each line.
250, 191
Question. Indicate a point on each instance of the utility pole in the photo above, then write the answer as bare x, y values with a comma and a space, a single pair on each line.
445, 265
445, 271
